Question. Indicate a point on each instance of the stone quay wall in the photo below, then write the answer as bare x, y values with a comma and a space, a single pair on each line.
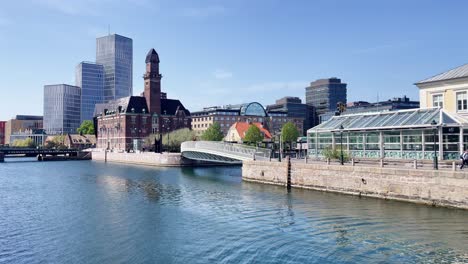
433, 187
144, 158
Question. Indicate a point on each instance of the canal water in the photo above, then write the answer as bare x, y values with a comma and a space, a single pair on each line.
92, 212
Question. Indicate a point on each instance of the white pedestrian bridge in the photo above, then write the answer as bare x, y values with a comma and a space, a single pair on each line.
222, 152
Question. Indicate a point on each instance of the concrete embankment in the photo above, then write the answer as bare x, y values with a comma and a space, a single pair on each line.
440, 188
146, 158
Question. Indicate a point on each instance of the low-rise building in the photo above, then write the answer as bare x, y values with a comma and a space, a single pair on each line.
21, 123
236, 132
38, 136
447, 90
227, 115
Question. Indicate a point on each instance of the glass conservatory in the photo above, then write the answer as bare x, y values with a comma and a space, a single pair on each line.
405, 134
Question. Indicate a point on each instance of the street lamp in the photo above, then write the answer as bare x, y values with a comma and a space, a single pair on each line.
341, 145
434, 124
300, 148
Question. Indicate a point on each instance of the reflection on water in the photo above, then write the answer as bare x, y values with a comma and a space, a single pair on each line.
89, 212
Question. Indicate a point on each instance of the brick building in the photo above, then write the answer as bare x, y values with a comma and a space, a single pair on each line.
124, 123
2, 132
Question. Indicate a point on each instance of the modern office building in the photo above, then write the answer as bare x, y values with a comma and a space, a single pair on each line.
62, 109
2, 132
294, 107
324, 95
115, 53
22, 123
226, 116
89, 77
124, 123
361, 107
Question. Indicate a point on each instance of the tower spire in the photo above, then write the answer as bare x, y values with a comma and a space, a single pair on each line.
152, 79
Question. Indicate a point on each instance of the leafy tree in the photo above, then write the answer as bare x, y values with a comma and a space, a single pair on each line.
173, 142
57, 142
86, 128
27, 143
253, 135
289, 133
213, 133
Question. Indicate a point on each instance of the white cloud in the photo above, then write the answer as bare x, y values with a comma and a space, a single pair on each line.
201, 12
222, 74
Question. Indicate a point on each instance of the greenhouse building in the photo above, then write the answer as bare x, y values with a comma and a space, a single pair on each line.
406, 134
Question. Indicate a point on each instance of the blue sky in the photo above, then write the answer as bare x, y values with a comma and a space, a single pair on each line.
217, 52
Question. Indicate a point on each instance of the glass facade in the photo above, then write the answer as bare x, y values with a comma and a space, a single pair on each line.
62, 104
324, 94
90, 78
115, 53
252, 109
406, 134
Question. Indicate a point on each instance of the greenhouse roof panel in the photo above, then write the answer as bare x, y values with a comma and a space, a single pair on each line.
393, 119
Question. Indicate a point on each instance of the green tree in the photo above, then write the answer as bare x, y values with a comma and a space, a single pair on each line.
289, 133
173, 142
213, 133
57, 142
26, 143
253, 135
86, 128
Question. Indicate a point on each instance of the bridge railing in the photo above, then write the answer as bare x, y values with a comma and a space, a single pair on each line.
228, 148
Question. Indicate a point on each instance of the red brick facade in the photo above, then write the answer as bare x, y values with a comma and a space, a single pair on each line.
124, 123
2, 132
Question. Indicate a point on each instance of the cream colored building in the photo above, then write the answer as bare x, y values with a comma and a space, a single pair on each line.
447, 90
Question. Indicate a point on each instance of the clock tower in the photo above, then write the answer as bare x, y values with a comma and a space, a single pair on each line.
152, 79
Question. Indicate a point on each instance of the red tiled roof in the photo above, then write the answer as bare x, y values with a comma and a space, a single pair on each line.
242, 127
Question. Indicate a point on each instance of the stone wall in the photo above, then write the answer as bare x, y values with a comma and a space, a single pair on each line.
146, 158
442, 188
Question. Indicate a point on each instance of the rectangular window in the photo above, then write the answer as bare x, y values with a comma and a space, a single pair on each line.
461, 101
438, 100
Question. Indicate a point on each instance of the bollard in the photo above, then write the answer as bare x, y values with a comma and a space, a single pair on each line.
352, 162
454, 166
415, 164
381, 163
254, 156
305, 159
328, 161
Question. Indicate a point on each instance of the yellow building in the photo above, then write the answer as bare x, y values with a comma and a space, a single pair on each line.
447, 90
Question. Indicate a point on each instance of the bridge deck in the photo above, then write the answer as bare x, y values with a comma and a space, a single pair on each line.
222, 152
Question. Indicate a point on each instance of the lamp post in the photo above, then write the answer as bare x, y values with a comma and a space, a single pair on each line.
436, 165
341, 145
300, 148
281, 146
